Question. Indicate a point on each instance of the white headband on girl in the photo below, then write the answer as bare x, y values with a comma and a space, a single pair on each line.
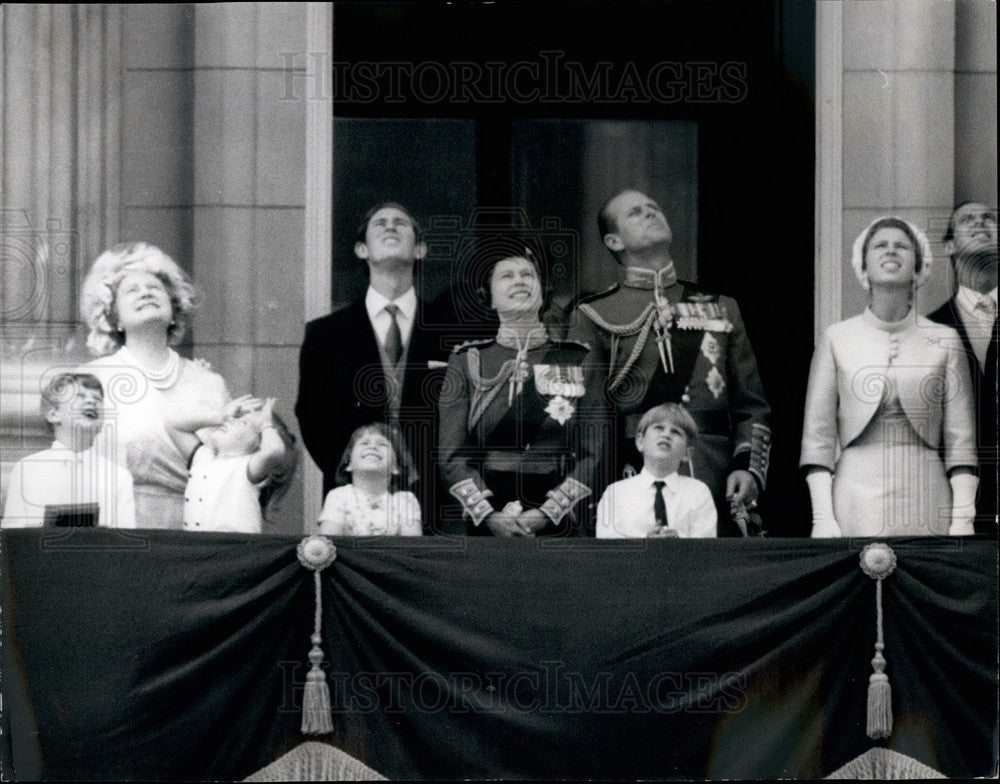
857, 255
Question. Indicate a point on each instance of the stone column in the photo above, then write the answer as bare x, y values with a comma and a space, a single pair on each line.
250, 203
898, 125
59, 181
976, 101
59, 192
317, 277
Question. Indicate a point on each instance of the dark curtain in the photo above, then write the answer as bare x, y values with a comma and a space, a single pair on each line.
161, 655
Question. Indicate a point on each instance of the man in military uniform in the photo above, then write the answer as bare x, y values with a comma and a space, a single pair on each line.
658, 340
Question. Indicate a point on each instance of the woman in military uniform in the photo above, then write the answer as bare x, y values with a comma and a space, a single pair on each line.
522, 424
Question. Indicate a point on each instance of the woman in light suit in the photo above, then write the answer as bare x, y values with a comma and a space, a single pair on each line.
888, 443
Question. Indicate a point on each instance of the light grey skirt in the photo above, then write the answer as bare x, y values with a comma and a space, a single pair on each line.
889, 483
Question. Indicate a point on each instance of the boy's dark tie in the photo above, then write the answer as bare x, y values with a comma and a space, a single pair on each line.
394, 338
659, 505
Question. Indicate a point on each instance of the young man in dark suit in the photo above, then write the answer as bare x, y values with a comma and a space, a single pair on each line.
374, 360
971, 241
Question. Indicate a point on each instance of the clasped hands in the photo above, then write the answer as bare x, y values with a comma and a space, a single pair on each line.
514, 520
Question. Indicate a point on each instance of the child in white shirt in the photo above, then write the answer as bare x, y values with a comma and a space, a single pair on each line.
372, 498
630, 508
236, 466
71, 476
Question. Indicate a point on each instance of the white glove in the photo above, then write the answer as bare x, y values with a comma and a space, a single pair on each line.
963, 503
821, 493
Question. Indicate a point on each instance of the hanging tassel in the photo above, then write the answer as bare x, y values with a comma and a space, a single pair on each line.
317, 718
879, 699
315, 554
878, 561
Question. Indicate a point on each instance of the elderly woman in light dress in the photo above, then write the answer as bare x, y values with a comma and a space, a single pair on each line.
136, 301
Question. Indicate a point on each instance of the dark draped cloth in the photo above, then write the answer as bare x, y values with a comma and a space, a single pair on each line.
171, 655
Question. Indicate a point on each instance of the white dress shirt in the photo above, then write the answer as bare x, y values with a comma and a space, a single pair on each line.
61, 476
978, 312
380, 320
626, 508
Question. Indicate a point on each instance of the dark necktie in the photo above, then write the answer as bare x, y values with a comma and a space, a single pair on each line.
659, 505
393, 338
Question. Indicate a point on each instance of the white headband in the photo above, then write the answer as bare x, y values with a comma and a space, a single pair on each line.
857, 255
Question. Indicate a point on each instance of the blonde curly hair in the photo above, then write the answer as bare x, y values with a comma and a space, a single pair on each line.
100, 290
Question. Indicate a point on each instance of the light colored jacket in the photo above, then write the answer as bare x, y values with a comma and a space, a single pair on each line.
847, 378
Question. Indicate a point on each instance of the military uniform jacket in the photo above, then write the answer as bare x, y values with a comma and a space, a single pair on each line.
693, 350
543, 416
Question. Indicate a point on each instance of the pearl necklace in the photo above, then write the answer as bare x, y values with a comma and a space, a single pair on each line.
165, 377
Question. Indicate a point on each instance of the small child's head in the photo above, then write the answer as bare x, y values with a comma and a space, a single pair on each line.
378, 449
665, 437
73, 405
237, 435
